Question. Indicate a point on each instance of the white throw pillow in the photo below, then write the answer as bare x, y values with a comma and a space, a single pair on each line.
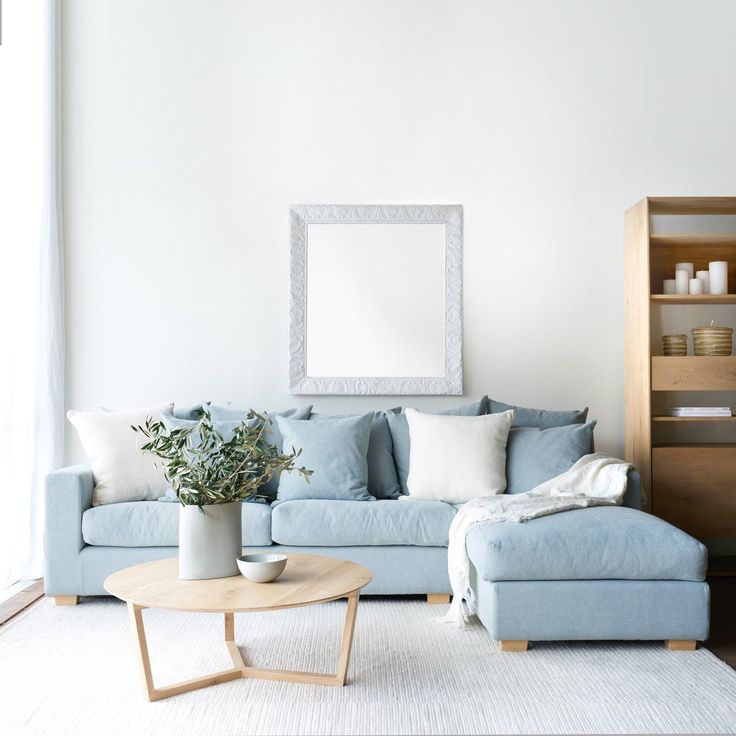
122, 472
457, 458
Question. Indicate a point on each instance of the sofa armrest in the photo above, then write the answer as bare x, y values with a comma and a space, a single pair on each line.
68, 496
632, 498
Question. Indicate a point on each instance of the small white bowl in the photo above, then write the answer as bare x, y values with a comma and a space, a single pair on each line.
261, 568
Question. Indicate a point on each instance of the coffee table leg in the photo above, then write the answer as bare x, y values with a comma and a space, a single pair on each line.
158, 693
229, 627
347, 638
136, 618
313, 678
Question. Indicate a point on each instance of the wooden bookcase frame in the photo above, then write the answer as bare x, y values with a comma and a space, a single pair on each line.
692, 485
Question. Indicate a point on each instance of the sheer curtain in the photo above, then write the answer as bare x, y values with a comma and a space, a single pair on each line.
31, 289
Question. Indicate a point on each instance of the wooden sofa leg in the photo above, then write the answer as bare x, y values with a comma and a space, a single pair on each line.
681, 645
66, 600
514, 645
437, 598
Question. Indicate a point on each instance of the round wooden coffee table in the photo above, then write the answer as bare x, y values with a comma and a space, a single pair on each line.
307, 579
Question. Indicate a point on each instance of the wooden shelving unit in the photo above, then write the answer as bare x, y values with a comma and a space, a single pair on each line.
693, 484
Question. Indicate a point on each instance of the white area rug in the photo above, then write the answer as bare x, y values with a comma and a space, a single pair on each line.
72, 671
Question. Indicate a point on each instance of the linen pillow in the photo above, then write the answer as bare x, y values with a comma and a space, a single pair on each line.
457, 458
535, 455
272, 433
541, 418
400, 435
121, 471
382, 479
336, 450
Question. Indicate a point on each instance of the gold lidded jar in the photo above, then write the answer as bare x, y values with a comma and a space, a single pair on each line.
712, 340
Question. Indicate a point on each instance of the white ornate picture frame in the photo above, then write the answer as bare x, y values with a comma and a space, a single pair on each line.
449, 380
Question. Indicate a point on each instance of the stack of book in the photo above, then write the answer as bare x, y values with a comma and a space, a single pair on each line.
700, 411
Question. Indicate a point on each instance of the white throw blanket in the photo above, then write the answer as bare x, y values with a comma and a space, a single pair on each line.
594, 480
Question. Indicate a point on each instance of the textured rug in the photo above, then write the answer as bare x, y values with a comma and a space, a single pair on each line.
72, 671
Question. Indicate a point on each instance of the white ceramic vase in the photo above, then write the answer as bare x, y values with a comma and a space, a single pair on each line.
209, 541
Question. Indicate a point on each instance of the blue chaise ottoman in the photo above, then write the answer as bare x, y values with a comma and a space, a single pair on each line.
597, 573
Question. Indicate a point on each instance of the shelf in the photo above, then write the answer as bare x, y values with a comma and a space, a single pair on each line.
666, 418
670, 239
692, 205
688, 299
694, 373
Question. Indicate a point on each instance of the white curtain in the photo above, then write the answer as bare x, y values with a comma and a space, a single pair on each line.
31, 288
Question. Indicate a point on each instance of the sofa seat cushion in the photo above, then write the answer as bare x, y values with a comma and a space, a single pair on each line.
601, 543
327, 523
156, 524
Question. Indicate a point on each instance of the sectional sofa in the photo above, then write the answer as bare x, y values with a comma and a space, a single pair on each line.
599, 573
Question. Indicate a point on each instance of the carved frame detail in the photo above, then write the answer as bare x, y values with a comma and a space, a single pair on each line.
451, 216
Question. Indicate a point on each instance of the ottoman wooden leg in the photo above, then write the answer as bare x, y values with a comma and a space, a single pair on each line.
681, 645
437, 598
514, 645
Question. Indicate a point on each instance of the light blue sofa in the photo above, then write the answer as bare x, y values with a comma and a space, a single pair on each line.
601, 573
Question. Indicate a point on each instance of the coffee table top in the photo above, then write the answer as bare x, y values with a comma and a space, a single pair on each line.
307, 579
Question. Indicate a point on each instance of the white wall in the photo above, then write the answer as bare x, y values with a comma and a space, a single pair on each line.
190, 126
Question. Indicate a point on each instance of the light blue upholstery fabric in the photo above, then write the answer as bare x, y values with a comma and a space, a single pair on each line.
396, 570
68, 495
536, 455
594, 609
154, 524
273, 436
335, 450
354, 523
382, 479
540, 418
189, 412
601, 543
400, 435
225, 428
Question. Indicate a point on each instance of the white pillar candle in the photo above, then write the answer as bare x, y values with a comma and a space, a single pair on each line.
682, 281
718, 277
686, 267
704, 276
696, 287
668, 286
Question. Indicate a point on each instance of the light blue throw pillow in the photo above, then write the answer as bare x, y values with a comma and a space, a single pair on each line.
382, 479
540, 418
400, 435
535, 455
335, 450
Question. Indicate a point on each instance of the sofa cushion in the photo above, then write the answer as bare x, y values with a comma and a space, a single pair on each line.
540, 418
156, 524
601, 543
355, 523
456, 459
122, 472
382, 479
402, 444
335, 450
536, 455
